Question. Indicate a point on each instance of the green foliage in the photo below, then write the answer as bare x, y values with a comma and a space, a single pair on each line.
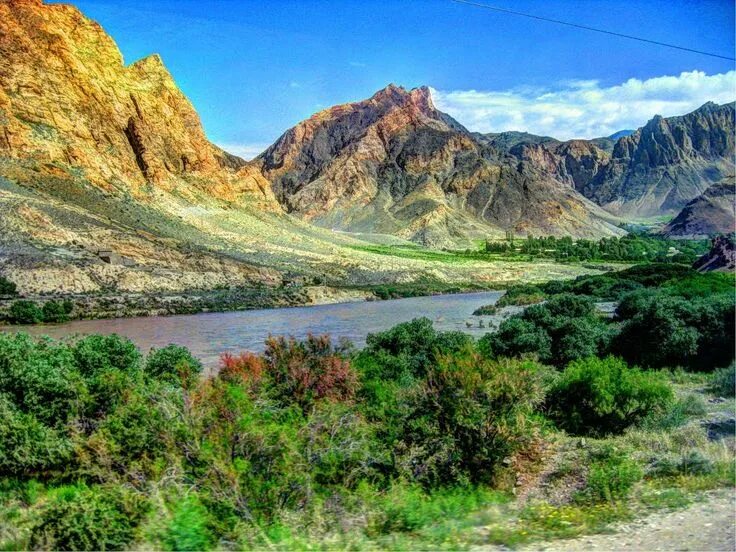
7, 287
664, 330
562, 329
57, 311
26, 445
486, 310
601, 396
611, 477
25, 312
724, 381
41, 379
173, 364
80, 518
189, 527
632, 248
690, 463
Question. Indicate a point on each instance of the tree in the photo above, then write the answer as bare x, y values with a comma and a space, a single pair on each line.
25, 312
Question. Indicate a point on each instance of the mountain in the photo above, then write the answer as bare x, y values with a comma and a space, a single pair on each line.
109, 186
710, 213
67, 101
666, 163
394, 164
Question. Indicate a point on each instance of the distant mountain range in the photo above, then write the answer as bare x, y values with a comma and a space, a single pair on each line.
395, 164
96, 155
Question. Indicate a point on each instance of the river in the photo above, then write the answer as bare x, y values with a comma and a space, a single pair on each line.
208, 335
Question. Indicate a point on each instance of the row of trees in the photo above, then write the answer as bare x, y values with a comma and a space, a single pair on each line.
632, 247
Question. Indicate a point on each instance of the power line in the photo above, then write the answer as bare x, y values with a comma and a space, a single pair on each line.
503, 10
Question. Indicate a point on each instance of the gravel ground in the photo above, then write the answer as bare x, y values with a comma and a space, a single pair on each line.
704, 526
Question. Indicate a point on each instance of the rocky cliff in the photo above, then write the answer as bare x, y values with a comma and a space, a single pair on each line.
71, 108
395, 164
710, 213
666, 163
720, 258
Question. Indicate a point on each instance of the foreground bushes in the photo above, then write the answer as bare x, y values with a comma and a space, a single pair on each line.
600, 396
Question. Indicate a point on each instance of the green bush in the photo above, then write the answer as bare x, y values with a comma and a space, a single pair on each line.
27, 447
470, 413
564, 328
601, 396
173, 364
40, 377
724, 381
57, 311
25, 312
189, 527
690, 463
81, 518
96, 354
610, 478
661, 330
7, 287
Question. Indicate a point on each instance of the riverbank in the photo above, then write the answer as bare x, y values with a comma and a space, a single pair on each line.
134, 305
208, 335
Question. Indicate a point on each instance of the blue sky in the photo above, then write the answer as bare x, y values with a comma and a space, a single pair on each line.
255, 68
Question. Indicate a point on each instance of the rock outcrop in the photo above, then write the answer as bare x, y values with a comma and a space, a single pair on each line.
665, 164
395, 164
70, 108
721, 257
710, 213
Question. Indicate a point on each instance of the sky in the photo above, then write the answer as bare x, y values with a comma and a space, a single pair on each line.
254, 68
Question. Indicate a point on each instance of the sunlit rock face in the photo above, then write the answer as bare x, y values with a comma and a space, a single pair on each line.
71, 108
395, 164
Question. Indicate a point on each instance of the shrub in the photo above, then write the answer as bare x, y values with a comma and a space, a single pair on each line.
516, 337
724, 381
564, 328
189, 526
81, 518
96, 354
57, 311
486, 310
600, 396
662, 330
41, 378
676, 414
173, 364
27, 447
25, 312
7, 287
690, 463
610, 478
466, 416
302, 372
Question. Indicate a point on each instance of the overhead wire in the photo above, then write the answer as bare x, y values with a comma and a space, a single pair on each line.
587, 28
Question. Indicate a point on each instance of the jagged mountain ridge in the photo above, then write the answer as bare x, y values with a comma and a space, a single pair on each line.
666, 163
395, 164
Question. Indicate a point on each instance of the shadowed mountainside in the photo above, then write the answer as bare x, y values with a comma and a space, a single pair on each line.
710, 213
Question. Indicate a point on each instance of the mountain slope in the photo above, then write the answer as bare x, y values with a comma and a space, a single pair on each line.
710, 213
108, 184
394, 164
69, 107
666, 163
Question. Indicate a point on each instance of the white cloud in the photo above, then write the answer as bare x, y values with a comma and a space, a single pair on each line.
246, 151
584, 109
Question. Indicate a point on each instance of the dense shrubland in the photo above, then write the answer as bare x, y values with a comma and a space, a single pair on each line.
102, 447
